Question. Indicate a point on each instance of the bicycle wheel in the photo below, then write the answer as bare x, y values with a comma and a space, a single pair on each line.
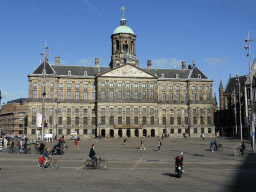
14, 150
103, 165
88, 164
28, 151
221, 148
40, 165
54, 164
236, 152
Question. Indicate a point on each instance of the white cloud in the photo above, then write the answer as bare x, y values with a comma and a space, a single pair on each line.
167, 63
217, 61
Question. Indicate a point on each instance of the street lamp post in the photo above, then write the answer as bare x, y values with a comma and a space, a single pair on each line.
235, 108
241, 127
251, 98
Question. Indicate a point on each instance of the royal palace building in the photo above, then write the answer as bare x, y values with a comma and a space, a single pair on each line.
121, 99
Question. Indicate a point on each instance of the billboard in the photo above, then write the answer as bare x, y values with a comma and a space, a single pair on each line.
39, 119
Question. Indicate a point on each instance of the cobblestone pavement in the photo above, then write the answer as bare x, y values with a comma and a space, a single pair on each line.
132, 169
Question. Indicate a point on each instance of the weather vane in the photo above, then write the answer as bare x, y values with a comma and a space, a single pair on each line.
194, 61
122, 8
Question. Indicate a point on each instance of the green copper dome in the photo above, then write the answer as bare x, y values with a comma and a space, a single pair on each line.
123, 29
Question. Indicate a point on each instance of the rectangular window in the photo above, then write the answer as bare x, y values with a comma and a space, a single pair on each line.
34, 84
172, 131
151, 110
85, 131
61, 85
195, 130
164, 120
33, 131
51, 85
93, 95
163, 96
178, 120
194, 110
151, 85
209, 130
60, 94
194, 121
93, 111
193, 88
170, 88
143, 94
208, 120
34, 95
152, 120
76, 120
85, 111
69, 85
33, 120
50, 120
33, 109
69, 95
127, 85
111, 84
102, 120
144, 110
164, 111
102, 84
178, 88
144, 120
163, 87
68, 131
102, 94
111, 120
208, 97
93, 86
77, 110
179, 130
102, 110
93, 120
202, 130
51, 94
186, 120
60, 121
85, 86
119, 85
77, 130
136, 120
128, 110
201, 96
85, 95
119, 110
127, 120
68, 120
77, 86
193, 96
143, 85
178, 97
151, 94
93, 131
164, 131
201, 120
185, 97
111, 94
119, 95
207, 88
85, 121
135, 94
135, 84
127, 94
111, 109
119, 120
171, 97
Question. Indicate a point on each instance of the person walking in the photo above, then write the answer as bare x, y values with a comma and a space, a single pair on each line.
18, 144
216, 145
159, 145
124, 140
76, 143
162, 137
142, 144
212, 145
203, 135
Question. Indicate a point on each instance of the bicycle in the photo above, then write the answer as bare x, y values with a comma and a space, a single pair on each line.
220, 147
101, 164
237, 152
25, 151
13, 150
53, 163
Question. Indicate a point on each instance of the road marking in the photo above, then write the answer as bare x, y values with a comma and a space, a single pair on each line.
137, 163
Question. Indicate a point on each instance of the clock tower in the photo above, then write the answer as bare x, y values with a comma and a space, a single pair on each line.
123, 45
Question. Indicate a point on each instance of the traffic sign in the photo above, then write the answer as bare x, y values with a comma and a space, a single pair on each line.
253, 133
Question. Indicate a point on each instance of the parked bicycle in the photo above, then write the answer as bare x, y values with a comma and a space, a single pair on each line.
25, 151
101, 164
52, 163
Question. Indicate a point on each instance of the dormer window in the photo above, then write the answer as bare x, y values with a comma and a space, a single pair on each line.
162, 76
199, 76
177, 76
85, 73
69, 72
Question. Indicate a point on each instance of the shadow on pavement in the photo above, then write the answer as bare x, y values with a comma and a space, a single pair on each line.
246, 175
169, 174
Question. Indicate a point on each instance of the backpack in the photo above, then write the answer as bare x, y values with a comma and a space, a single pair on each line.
41, 159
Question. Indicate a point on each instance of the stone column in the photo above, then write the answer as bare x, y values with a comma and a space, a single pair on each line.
140, 132
132, 131
124, 132
115, 132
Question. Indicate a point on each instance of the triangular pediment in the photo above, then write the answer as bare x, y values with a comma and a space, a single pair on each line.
127, 71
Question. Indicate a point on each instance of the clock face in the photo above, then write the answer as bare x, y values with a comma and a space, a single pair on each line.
125, 41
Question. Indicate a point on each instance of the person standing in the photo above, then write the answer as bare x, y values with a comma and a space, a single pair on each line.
162, 137
142, 144
212, 145
216, 145
124, 140
159, 145
203, 135
76, 143
18, 144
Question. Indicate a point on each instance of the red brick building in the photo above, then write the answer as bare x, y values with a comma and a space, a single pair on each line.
12, 116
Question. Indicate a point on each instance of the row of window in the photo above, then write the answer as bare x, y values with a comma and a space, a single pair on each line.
186, 130
68, 131
120, 120
185, 98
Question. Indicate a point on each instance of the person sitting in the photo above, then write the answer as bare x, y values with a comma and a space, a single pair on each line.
242, 147
92, 155
46, 156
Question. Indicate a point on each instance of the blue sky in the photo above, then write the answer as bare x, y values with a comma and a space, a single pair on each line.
210, 31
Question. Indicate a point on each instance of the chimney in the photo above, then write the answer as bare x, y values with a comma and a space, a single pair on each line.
96, 61
189, 66
57, 60
183, 65
149, 64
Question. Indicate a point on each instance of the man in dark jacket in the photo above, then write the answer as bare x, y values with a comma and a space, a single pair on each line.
92, 155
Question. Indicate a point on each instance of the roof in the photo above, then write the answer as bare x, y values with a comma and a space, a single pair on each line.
233, 83
123, 29
221, 86
169, 73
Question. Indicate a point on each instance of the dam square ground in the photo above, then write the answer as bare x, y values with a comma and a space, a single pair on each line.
132, 169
